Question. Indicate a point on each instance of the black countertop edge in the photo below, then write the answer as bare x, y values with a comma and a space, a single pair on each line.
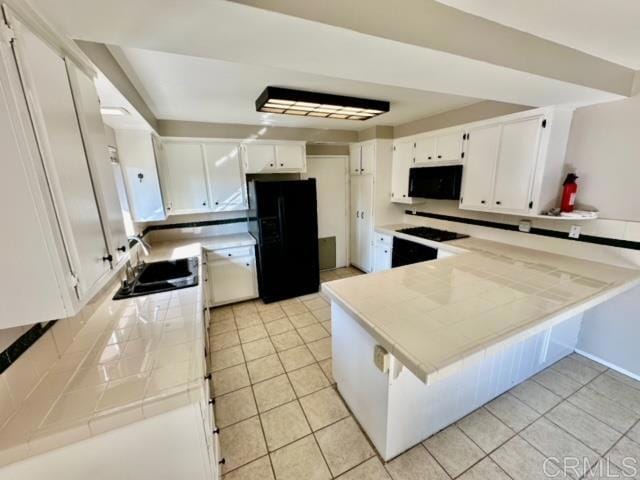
23, 343
204, 223
610, 242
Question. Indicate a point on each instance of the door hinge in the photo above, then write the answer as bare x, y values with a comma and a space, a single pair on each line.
531, 204
75, 281
6, 32
544, 123
462, 155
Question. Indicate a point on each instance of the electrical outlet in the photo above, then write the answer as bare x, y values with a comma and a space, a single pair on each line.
575, 231
524, 226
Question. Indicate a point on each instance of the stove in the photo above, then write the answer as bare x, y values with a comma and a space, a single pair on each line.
432, 234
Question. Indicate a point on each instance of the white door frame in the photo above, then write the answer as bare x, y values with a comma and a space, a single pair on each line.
347, 199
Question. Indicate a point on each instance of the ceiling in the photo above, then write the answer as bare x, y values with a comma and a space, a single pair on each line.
181, 87
111, 97
607, 29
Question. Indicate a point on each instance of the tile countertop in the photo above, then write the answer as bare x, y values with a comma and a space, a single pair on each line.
133, 359
434, 315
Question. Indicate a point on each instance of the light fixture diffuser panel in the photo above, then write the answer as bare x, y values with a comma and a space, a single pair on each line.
313, 104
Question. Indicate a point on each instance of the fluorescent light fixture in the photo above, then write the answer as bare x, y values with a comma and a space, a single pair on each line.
313, 104
114, 111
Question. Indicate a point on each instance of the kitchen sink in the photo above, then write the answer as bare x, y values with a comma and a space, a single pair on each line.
159, 277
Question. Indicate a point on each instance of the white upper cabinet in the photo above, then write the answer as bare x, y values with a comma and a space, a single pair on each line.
402, 161
439, 147
276, 157
183, 177
138, 151
54, 116
95, 144
513, 164
479, 167
362, 158
226, 181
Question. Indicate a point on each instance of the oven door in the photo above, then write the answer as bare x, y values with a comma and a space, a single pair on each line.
405, 253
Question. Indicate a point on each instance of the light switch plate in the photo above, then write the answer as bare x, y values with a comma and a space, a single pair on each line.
575, 231
524, 226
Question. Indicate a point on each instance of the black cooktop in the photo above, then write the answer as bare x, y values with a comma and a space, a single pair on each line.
432, 234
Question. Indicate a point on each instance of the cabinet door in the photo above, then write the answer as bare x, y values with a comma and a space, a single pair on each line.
354, 159
137, 154
226, 180
291, 157
449, 147
354, 222
95, 144
58, 133
368, 159
259, 158
479, 167
516, 164
366, 220
382, 258
232, 279
401, 163
425, 151
183, 172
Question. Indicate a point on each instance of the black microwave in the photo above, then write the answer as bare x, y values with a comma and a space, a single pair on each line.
436, 182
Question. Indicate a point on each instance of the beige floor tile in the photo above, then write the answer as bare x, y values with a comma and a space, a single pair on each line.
576, 370
485, 429
604, 409
251, 334
634, 433
327, 368
224, 340
258, 349
344, 445
321, 349
621, 392
487, 469
311, 333
607, 470
624, 379
242, 443
308, 379
515, 414
535, 396
230, 379
221, 313
272, 313
327, 326
372, 469
244, 307
273, 393
590, 431
416, 464
551, 441
287, 340
588, 362
301, 460
316, 303
257, 470
626, 454
322, 314
264, 368
453, 450
556, 382
226, 358
323, 408
295, 358
303, 320
294, 308
247, 320
523, 462
223, 326
284, 424
278, 326
234, 407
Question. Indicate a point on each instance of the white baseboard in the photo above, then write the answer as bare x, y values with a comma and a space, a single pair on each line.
610, 365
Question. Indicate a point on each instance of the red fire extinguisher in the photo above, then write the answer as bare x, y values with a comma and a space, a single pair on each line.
569, 189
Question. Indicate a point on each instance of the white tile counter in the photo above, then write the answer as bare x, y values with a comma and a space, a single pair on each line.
434, 315
133, 359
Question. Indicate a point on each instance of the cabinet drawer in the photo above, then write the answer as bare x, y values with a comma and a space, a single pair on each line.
382, 239
235, 252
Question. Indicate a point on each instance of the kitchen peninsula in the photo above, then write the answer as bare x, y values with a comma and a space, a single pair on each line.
418, 347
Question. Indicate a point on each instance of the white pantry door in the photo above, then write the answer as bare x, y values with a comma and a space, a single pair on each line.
331, 177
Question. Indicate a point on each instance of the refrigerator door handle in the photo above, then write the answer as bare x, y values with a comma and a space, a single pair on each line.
281, 219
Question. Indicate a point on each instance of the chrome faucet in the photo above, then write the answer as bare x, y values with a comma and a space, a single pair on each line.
130, 271
143, 245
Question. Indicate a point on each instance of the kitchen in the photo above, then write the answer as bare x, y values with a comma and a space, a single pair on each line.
225, 262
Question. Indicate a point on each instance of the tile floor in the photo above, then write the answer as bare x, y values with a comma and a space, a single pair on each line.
281, 418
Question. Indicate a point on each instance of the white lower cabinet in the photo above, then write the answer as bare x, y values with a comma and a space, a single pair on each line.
382, 252
232, 275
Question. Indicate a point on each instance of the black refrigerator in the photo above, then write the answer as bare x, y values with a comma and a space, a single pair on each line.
283, 219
